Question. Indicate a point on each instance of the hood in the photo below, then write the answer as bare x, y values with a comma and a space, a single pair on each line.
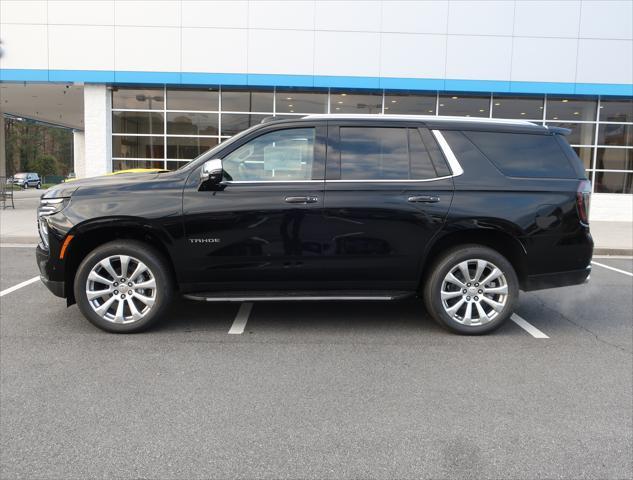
66, 189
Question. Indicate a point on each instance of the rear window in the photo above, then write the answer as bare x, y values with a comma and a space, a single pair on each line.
524, 155
384, 153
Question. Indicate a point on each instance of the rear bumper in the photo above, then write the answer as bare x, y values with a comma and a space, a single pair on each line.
558, 279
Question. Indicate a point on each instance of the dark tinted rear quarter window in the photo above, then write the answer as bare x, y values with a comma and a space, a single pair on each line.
523, 155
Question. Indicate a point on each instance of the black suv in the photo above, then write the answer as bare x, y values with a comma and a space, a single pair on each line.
461, 212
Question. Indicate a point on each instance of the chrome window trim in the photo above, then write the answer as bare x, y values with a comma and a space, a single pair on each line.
453, 163
408, 180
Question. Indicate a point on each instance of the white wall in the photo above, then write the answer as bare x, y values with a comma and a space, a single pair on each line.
612, 207
98, 130
79, 153
523, 40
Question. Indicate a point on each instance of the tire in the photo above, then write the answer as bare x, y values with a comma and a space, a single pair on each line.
489, 310
141, 307
38, 186
25, 186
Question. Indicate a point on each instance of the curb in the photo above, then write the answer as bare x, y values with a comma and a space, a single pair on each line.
29, 240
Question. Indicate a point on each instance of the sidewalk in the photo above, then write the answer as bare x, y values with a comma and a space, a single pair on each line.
20, 226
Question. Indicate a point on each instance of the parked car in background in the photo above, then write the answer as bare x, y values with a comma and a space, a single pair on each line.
463, 213
26, 180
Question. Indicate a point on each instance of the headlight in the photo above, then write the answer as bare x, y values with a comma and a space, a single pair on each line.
48, 207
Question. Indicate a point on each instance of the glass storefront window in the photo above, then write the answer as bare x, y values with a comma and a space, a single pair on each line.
581, 133
247, 101
294, 101
181, 99
614, 182
141, 99
188, 147
464, 105
350, 102
524, 108
233, 123
138, 146
193, 123
586, 155
565, 108
410, 104
119, 164
137, 122
616, 110
614, 134
614, 159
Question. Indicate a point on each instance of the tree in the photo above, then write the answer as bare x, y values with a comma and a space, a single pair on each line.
44, 165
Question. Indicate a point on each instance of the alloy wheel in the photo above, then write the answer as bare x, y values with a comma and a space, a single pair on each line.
474, 292
121, 289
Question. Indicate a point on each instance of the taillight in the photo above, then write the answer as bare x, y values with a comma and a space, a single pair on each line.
583, 200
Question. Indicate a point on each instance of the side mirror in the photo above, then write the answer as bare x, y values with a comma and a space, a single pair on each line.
212, 172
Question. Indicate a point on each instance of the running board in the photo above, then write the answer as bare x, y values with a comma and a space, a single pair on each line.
296, 296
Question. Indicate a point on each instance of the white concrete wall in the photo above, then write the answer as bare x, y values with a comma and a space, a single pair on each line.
611, 207
79, 153
585, 41
98, 130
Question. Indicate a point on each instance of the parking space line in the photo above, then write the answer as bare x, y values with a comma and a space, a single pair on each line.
241, 318
613, 268
528, 327
19, 285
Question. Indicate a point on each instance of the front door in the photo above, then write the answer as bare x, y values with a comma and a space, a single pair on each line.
385, 200
260, 229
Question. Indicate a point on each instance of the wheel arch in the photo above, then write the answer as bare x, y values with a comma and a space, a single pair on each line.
500, 241
90, 235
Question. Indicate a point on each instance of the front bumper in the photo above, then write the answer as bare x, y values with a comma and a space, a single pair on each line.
558, 279
57, 287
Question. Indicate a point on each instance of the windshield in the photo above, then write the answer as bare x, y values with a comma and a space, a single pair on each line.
209, 154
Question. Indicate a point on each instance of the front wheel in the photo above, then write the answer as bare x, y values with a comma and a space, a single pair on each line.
471, 290
38, 186
123, 286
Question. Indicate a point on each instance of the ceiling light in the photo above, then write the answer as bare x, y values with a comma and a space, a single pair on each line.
555, 118
454, 98
497, 104
386, 108
481, 110
430, 111
339, 102
343, 94
522, 113
292, 111
576, 113
394, 101
564, 100
291, 105
338, 108
288, 98
541, 107
441, 104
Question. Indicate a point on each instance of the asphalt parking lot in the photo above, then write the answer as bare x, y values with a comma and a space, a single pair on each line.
317, 390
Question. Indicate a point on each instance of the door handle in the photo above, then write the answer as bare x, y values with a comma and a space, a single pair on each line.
306, 199
424, 199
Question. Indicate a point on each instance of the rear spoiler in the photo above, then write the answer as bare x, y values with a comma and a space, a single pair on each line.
558, 130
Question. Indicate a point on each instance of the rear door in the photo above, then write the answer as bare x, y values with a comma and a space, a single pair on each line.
387, 193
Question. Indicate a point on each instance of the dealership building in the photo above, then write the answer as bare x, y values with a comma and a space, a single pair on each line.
153, 84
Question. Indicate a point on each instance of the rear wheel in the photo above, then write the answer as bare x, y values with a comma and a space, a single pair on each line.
123, 286
471, 290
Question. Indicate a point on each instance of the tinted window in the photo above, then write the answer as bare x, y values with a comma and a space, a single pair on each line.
421, 166
383, 153
523, 155
275, 156
374, 153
